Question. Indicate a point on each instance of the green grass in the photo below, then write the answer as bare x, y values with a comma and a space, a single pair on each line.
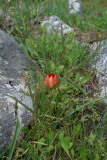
68, 122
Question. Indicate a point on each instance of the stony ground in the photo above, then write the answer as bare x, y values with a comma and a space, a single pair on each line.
68, 121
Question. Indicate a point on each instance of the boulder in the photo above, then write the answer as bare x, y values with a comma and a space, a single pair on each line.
55, 25
100, 63
74, 6
12, 62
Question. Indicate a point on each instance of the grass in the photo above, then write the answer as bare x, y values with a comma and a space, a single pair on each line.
68, 122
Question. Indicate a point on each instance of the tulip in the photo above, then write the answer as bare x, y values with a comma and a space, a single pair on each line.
51, 80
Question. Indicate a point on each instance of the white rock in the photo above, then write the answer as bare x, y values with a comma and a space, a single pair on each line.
100, 63
55, 25
74, 6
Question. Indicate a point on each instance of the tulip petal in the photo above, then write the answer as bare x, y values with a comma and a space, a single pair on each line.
54, 80
51, 80
47, 80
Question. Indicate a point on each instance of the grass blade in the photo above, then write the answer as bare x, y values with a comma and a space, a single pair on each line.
21, 103
14, 139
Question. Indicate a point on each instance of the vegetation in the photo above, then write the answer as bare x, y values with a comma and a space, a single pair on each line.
68, 122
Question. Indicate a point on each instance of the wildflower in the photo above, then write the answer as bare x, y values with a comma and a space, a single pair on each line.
99, 13
51, 80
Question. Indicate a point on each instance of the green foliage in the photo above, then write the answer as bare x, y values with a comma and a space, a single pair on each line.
65, 143
12, 148
66, 121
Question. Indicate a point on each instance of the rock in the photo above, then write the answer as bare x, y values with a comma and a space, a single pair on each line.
55, 25
12, 60
100, 63
74, 6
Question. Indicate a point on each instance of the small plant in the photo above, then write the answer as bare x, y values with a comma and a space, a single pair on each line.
66, 117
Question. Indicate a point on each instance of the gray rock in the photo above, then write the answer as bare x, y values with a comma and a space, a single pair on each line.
12, 60
100, 63
55, 25
74, 6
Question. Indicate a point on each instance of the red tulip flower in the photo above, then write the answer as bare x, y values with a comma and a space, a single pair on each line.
51, 80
